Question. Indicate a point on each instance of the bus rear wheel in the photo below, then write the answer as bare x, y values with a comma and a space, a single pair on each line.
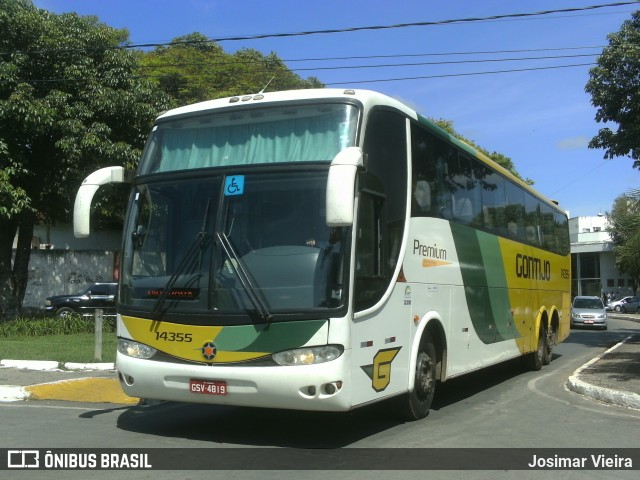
550, 342
535, 359
416, 404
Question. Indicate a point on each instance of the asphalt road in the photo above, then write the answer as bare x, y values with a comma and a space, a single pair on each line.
504, 406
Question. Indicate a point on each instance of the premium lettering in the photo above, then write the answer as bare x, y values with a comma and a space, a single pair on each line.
431, 251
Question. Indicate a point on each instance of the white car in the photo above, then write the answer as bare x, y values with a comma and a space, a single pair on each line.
588, 312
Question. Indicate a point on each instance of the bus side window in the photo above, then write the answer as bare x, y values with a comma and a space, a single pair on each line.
532, 219
465, 196
370, 267
514, 212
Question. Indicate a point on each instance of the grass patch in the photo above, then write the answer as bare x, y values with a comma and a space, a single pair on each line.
41, 326
70, 339
79, 347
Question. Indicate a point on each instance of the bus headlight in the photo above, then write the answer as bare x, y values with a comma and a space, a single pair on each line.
135, 349
308, 356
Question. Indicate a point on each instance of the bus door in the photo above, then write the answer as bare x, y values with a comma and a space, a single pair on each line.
380, 333
380, 337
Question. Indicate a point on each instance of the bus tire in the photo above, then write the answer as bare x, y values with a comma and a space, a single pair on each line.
534, 360
550, 341
416, 404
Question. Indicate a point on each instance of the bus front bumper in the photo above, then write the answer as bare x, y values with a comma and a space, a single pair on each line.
320, 387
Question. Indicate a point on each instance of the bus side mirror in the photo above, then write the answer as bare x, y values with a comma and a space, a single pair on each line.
90, 185
341, 187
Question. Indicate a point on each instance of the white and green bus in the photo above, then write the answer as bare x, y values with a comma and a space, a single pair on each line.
323, 250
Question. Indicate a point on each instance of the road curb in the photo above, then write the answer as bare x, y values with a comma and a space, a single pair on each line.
603, 394
88, 389
11, 393
49, 365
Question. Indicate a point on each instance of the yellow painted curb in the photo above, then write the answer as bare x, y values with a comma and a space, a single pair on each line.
92, 389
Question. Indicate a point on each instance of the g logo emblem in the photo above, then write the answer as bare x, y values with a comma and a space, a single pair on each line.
380, 371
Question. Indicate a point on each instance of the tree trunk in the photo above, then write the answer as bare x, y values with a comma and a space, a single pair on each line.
23, 254
8, 301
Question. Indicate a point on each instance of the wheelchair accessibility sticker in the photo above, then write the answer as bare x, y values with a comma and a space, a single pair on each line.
234, 185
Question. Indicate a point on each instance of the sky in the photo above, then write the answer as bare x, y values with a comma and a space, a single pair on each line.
542, 119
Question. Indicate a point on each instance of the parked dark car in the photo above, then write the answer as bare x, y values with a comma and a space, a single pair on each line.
98, 295
617, 304
631, 304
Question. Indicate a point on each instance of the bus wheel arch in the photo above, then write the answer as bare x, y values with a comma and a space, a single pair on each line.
426, 369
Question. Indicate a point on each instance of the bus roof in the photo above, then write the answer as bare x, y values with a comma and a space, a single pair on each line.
368, 98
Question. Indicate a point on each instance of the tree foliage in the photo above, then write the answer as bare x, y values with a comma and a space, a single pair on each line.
70, 102
193, 69
624, 228
614, 85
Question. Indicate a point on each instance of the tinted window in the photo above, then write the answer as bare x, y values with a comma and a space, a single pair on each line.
448, 183
493, 200
102, 290
514, 211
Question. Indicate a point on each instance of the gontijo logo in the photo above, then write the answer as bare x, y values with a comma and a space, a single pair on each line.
532, 268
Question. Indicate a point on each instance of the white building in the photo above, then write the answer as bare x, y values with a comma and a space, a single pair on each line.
592, 260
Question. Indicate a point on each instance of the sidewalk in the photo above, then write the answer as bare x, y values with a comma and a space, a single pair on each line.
613, 377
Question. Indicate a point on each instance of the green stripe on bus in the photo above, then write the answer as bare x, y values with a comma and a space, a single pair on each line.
485, 284
267, 338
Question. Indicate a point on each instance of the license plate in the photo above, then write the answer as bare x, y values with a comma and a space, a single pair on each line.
588, 321
208, 387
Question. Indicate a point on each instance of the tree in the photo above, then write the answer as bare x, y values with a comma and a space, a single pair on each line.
70, 102
614, 85
624, 228
192, 69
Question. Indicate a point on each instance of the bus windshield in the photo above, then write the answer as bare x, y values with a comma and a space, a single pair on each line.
293, 133
233, 244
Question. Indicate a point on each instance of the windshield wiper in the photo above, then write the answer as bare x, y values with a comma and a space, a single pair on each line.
199, 243
252, 292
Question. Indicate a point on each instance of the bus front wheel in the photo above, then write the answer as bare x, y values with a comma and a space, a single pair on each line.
416, 404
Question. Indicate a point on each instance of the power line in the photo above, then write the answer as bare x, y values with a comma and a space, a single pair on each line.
404, 25
579, 178
352, 82
515, 70
448, 62
409, 55
442, 54
337, 30
353, 67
